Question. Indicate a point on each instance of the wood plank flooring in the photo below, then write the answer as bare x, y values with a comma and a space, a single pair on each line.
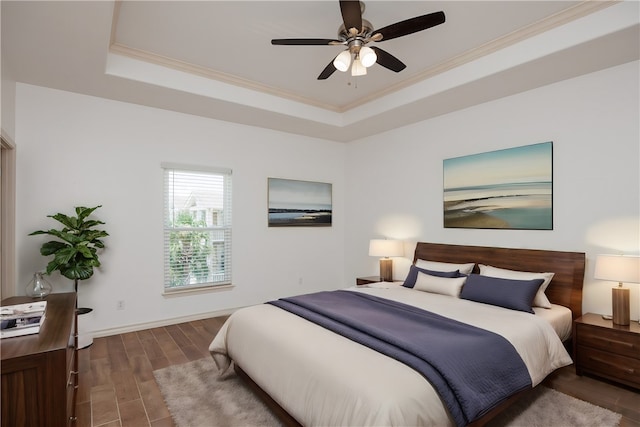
117, 387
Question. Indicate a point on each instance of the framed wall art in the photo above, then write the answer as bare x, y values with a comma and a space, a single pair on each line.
504, 189
294, 203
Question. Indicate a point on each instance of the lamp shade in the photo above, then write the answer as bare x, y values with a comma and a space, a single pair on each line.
368, 56
357, 69
618, 268
385, 248
342, 61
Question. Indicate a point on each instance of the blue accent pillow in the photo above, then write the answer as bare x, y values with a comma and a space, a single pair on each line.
410, 280
507, 293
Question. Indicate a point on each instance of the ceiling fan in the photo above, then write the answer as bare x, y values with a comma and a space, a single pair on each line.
356, 32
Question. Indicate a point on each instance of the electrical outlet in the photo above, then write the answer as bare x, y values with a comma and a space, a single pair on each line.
300, 281
120, 305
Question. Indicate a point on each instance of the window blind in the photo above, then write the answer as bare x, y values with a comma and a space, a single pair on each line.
197, 227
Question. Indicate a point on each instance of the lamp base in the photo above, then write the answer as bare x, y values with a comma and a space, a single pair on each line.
620, 301
386, 270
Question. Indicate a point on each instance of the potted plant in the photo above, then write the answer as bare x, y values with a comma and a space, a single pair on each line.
75, 254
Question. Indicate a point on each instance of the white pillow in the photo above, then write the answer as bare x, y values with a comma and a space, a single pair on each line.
445, 266
439, 285
540, 300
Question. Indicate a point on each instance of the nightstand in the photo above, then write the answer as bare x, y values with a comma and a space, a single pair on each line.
607, 350
360, 281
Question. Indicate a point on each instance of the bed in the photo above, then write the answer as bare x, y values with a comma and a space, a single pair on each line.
311, 375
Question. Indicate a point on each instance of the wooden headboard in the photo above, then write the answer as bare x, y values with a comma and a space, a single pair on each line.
565, 288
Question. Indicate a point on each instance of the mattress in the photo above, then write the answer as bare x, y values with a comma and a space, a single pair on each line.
559, 317
322, 378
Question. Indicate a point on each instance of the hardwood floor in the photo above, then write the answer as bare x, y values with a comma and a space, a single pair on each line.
117, 386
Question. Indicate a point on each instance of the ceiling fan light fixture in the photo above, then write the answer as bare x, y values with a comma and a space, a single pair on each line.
342, 61
367, 56
357, 69
355, 32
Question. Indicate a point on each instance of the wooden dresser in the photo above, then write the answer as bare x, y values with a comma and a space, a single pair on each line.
607, 350
40, 371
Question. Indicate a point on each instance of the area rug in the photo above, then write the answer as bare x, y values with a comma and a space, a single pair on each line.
197, 397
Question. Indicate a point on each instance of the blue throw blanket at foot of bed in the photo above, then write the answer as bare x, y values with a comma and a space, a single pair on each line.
472, 369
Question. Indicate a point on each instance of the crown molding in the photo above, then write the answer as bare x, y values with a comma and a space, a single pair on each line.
143, 55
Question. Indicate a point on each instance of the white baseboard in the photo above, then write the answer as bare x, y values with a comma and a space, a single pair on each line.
158, 323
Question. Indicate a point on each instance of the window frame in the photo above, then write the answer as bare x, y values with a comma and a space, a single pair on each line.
224, 227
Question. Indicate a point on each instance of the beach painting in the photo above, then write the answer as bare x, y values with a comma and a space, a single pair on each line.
294, 203
504, 189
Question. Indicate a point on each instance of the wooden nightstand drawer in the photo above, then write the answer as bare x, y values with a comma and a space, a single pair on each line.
621, 368
607, 350
612, 341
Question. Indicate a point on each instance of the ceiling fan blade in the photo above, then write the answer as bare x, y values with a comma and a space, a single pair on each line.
305, 42
410, 26
388, 61
328, 70
351, 14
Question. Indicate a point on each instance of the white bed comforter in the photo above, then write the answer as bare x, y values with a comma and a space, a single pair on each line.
324, 379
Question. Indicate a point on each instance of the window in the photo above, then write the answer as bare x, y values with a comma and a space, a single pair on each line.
197, 227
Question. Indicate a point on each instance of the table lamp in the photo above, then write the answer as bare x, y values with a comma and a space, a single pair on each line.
385, 249
619, 268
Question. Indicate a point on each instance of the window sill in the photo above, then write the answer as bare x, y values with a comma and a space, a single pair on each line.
198, 290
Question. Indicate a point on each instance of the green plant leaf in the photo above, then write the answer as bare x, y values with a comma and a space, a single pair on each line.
91, 235
64, 255
50, 248
83, 212
62, 235
77, 271
67, 221
86, 252
91, 223
52, 266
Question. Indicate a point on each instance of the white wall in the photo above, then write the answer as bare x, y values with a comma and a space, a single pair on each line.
74, 149
394, 180
80, 150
